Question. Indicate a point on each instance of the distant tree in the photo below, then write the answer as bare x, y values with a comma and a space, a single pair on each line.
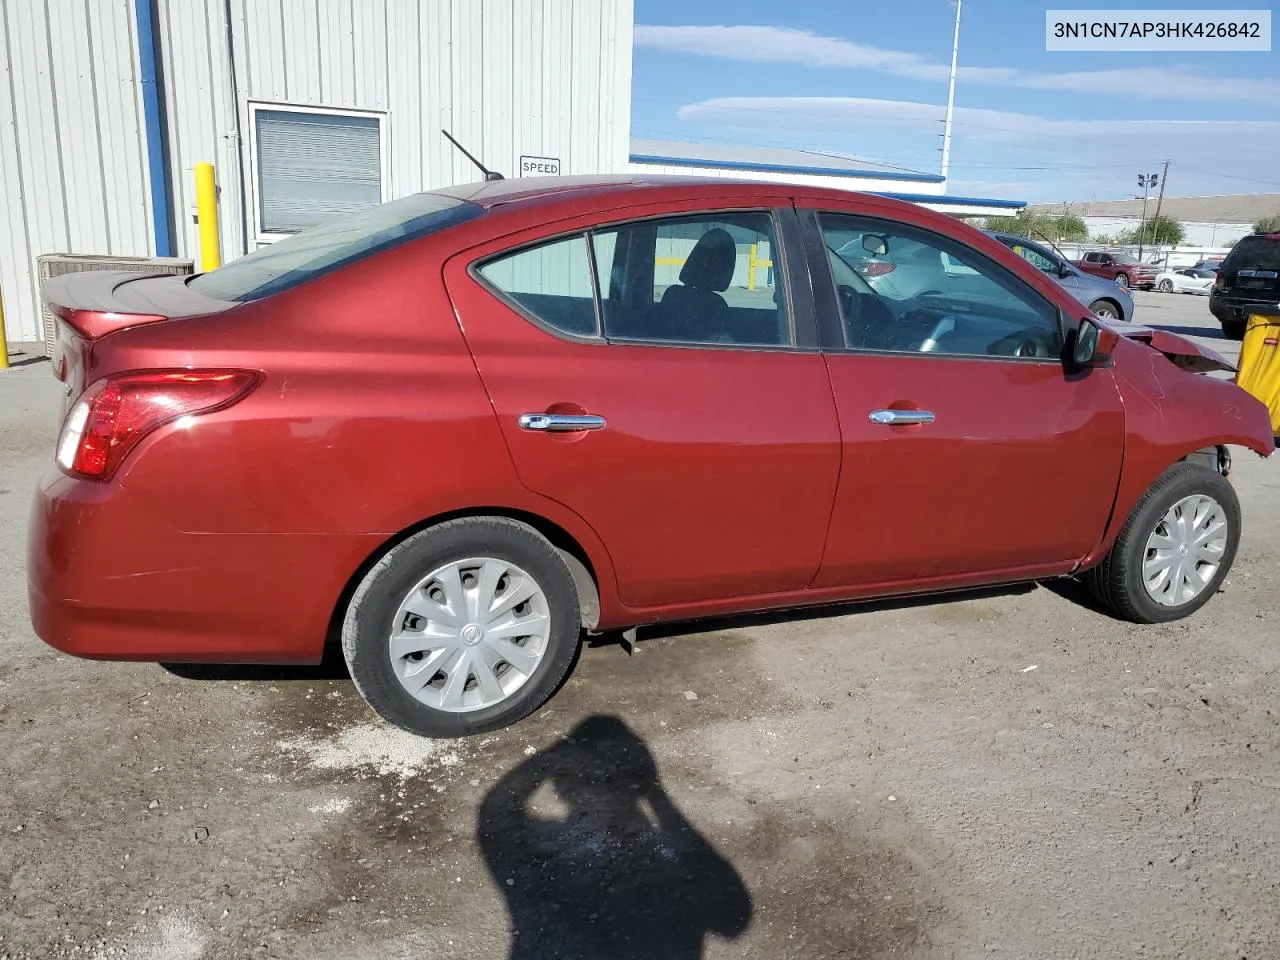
1017, 226
1105, 238
1072, 229
1040, 226
1158, 231
1267, 225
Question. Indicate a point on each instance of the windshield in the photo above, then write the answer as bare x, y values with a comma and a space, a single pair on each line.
304, 256
1124, 258
1254, 253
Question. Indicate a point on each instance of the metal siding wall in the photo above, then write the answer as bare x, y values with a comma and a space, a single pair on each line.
506, 77
72, 172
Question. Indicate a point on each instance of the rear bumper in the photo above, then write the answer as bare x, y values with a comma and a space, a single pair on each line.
106, 581
1238, 309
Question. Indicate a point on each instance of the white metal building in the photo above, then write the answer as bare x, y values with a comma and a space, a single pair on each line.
306, 107
779, 165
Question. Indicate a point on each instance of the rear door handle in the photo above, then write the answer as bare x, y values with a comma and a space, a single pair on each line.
897, 418
560, 422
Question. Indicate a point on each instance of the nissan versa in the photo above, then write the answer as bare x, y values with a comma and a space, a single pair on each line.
455, 430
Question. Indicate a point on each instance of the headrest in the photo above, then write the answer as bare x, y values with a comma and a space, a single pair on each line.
711, 261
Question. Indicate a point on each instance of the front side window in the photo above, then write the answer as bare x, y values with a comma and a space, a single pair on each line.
904, 290
703, 279
314, 166
550, 283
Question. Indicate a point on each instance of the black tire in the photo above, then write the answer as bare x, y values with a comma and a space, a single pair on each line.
1166, 286
1123, 280
368, 623
1234, 329
1117, 581
1105, 309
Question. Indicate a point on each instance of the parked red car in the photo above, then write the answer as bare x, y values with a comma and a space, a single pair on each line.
456, 429
1124, 269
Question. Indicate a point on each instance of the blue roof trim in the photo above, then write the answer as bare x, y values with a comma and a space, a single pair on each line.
787, 168
947, 200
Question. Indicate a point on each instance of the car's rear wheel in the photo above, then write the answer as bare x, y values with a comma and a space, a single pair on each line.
1105, 309
1166, 286
1122, 279
465, 627
1234, 329
1175, 549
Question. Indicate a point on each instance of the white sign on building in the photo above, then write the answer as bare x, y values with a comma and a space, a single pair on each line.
539, 166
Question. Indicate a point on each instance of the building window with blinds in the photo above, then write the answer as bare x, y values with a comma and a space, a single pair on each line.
312, 166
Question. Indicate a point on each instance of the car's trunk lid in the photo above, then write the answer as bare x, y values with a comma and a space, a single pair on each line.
95, 304
1252, 269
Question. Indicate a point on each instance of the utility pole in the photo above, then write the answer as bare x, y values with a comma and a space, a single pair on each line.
951, 97
1146, 181
1155, 224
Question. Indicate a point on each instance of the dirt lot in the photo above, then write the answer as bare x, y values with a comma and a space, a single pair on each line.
1001, 775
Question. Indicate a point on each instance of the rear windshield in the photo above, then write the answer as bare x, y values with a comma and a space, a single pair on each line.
304, 256
1254, 253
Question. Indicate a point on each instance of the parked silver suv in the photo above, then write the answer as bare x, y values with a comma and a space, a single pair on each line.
1105, 298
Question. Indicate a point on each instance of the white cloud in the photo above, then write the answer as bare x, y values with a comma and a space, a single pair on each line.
1093, 155
765, 44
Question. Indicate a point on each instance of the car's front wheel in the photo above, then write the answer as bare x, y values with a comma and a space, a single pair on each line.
1166, 286
1122, 279
465, 627
1175, 549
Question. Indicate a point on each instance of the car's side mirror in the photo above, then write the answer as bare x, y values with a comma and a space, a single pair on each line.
1090, 345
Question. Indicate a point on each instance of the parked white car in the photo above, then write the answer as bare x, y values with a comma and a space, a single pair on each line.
1183, 281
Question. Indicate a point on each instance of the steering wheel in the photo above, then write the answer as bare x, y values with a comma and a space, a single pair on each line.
1032, 348
855, 321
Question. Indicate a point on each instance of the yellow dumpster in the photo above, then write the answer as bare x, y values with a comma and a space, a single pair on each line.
1258, 372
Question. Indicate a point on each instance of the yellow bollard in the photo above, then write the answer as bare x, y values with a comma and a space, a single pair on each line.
4, 339
207, 217
751, 268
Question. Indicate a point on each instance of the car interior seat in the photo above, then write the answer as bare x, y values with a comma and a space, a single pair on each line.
694, 309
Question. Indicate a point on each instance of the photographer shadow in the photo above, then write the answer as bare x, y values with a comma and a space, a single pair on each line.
596, 861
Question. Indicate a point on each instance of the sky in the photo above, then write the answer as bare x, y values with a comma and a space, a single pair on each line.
868, 79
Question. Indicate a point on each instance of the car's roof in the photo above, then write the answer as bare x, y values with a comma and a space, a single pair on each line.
520, 190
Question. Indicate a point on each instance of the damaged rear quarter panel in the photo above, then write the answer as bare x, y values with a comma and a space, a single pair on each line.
1169, 414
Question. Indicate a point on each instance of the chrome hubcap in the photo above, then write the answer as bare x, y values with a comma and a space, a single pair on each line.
1185, 550
470, 634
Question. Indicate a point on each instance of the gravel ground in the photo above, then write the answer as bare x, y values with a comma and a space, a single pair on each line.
1006, 774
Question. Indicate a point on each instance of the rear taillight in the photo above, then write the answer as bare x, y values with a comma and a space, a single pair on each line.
114, 414
875, 268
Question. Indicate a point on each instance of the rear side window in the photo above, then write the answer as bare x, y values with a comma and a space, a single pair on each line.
1254, 253
700, 279
550, 283
304, 256
707, 280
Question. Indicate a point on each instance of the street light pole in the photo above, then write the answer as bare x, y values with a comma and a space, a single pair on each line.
951, 97
1146, 181
1155, 225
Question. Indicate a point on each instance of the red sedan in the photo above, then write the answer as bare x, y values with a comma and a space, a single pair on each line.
456, 430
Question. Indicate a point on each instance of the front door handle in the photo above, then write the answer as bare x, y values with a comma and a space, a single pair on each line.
560, 422
898, 418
